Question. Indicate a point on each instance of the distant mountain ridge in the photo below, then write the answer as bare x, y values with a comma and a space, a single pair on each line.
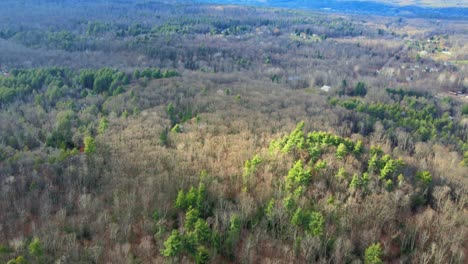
437, 9
422, 3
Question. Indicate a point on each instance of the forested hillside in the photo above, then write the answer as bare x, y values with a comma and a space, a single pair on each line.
175, 132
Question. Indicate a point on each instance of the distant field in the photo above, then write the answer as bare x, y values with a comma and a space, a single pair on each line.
430, 3
439, 9
422, 3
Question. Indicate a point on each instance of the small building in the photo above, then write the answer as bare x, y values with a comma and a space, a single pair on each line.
325, 88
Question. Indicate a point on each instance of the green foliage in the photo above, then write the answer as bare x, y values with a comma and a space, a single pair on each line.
358, 148
191, 218
351, 104
201, 197
202, 231
103, 80
321, 165
402, 93
64, 121
60, 139
54, 93
35, 248
155, 216
250, 167
202, 256
419, 114
376, 151
341, 173
169, 74
66, 153
269, 213
385, 165
294, 140
194, 198
298, 218
5, 249
136, 74
355, 182
465, 158
314, 143
341, 151
298, 175
125, 114
316, 223
103, 125
360, 89
425, 177
314, 151
170, 111
97, 28
297, 245
197, 232
64, 40
333, 101
7, 95
180, 200
365, 180
323, 139
86, 79
465, 109
233, 235
64, 92
235, 224
191, 198
373, 254
289, 203
173, 244
163, 137
178, 115
389, 184
298, 192
189, 243
24, 82
113, 81
373, 164
388, 168
176, 129
17, 260
89, 145
136, 111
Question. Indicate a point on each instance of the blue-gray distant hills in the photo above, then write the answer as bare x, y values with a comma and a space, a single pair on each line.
359, 7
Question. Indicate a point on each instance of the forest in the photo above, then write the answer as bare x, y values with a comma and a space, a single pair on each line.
188, 132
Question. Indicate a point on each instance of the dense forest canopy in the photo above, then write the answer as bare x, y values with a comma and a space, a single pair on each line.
188, 132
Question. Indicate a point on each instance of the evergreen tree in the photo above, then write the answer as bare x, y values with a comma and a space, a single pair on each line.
173, 245
341, 151
202, 231
103, 125
89, 145
316, 223
35, 248
191, 218
202, 256
373, 254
